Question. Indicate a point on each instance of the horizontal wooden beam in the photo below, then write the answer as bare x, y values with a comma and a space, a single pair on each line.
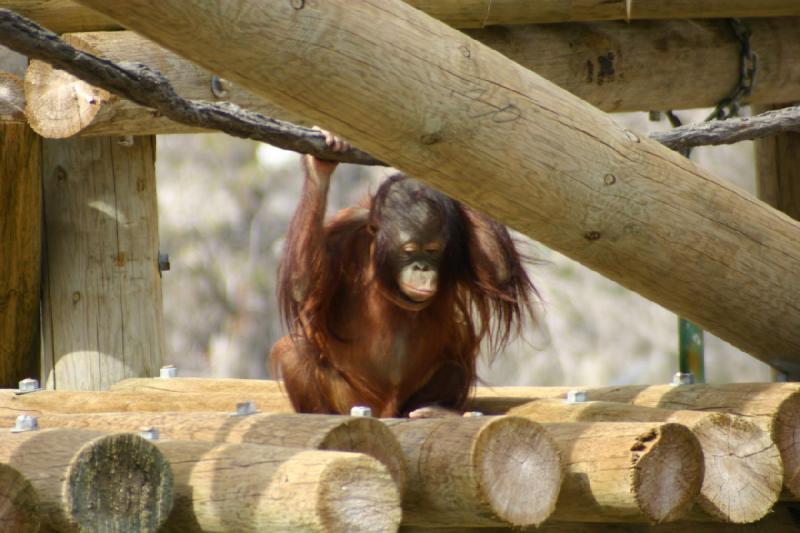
62, 16
483, 129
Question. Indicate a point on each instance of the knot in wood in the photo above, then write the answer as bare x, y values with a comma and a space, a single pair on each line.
591, 235
297, 4
609, 179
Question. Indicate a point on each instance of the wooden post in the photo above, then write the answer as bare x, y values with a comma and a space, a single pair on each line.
478, 472
20, 510
20, 259
774, 407
778, 169
618, 472
63, 16
739, 487
102, 289
485, 130
251, 488
90, 481
319, 432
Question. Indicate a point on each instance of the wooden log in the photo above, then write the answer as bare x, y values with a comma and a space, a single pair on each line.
774, 407
20, 240
62, 16
569, 176
74, 402
60, 105
19, 503
618, 471
12, 99
102, 288
251, 488
478, 472
778, 169
202, 385
743, 472
319, 432
90, 481
587, 60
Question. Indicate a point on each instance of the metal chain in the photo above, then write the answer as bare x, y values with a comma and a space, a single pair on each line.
748, 69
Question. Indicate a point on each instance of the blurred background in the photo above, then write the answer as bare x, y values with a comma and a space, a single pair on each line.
224, 206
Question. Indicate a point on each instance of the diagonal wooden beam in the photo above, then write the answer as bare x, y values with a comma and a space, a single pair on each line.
462, 117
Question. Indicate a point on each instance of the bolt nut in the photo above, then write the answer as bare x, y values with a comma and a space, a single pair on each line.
168, 371
246, 408
163, 262
576, 396
28, 385
683, 378
149, 433
25, 423
220, 87
360, 410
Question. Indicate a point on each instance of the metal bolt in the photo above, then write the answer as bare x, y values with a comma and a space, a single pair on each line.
168, 371
470, 414
360, 410
25, 423
245, 408
683, 378
149, 433
609, 179
28, 385
220, 87
576, 396
125, 140
163, 262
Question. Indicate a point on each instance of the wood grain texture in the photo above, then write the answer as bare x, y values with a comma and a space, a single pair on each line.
618, 472
743, 472
12, 99
778, 170
102, 296
19, 504
207, 385
478, 471
319, 432
62, 16
90, 481
60, 105
21, 245
774, 407
442, 107
252, 488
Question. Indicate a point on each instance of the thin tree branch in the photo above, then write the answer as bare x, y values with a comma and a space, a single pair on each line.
140, 84
731, 130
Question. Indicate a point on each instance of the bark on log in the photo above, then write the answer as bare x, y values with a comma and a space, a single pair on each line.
60, 105
320, 432
12, 99
478, 472
62, 16
66, 402
90, 481
252, 488
19, 504
102, 288
20, 259
743, 470
618, 472
774, 407
570, 176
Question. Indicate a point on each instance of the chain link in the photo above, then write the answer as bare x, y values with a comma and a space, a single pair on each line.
748, 69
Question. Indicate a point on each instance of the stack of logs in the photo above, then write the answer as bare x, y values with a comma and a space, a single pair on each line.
173, 454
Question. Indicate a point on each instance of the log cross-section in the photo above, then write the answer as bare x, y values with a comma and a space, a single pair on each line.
412, 91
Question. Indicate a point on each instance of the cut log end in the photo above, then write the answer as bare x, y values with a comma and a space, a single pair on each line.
743, 469
786, 434
19, 504
508, 454
358, 494
57, 104
119, 482
371, 437
667, 473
